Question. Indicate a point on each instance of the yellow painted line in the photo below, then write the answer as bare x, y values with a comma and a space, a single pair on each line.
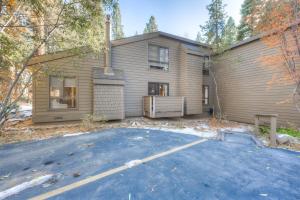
111, 172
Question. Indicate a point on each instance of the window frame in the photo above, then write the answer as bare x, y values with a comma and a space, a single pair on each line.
203, 97
158, 53
49, 97
159, 83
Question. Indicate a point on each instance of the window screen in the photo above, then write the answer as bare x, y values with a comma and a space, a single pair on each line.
158, 57
62, 92
158, 89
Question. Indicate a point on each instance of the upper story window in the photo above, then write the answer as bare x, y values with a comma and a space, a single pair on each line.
158, 89
205, 69
158, 57
62, 92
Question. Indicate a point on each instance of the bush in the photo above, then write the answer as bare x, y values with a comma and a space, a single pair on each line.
88, 122
264, 130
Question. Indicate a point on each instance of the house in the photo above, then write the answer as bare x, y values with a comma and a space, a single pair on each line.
244, 88
159, 75
113, 85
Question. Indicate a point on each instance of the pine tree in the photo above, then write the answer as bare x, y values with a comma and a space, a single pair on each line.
245, 29
199, 37
117, 27
214, 27
151, 26
229, 34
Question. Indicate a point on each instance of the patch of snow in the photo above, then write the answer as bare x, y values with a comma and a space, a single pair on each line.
133, 163
263, 195
74, 134
190, 131
24, 112
138, 138
25, 107
237, 129
203, 126
19, 188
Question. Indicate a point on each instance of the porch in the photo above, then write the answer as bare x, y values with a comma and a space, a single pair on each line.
163, 106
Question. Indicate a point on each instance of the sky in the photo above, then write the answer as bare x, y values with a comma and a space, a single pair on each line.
178, 17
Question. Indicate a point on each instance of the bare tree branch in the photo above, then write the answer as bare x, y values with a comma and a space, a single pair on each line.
24, 66
10, 19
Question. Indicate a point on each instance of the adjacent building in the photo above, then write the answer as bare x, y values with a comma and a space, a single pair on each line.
159, 75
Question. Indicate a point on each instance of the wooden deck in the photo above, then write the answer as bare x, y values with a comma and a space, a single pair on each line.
163, 106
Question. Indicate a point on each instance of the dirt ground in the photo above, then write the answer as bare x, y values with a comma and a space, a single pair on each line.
27, 131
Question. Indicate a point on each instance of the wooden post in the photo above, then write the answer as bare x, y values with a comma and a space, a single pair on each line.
273, 124
273, 131
153, 103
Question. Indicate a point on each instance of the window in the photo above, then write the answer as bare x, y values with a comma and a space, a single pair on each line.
158, 89
205, 70
205, 94
62, 92
158, 57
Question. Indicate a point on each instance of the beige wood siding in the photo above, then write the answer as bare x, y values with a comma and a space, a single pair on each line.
194, 84
79, 67
133, 59
108, 102
159, 106
207, 80
191, 82
244, 90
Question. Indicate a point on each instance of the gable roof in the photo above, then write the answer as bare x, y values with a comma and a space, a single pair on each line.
147, 36
190, 44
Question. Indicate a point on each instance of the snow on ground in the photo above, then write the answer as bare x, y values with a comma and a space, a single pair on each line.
75, 134
133, 163
189, 131
203, 130
238, 129
24, 111
19, 188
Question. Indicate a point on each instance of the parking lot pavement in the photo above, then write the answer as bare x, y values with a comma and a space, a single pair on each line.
232, 169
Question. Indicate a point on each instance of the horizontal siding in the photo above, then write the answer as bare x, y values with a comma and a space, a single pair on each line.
133, 59
243, 84
193, 85
77, 66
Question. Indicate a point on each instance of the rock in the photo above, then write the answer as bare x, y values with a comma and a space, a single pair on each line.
284, 139
77, 174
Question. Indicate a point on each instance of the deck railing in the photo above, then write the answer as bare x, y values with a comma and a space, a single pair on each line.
163, 106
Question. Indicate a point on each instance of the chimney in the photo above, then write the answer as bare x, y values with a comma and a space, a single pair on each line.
107, 52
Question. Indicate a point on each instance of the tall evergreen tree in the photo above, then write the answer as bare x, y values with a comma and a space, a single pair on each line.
117, 27
214, 27
199, 37
229, 34
151, 26
246, 27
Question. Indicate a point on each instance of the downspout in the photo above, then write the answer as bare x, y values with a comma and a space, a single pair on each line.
107, 52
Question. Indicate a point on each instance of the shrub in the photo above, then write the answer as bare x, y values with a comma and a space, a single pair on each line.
264, 130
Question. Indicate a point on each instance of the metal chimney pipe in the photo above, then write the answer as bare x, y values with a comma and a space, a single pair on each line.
107, 57
107, 53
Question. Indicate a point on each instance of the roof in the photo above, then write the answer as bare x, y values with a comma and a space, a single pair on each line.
259, 36
147, 36
98, 73
246, 41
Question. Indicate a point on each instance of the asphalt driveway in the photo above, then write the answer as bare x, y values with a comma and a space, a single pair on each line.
232, 169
